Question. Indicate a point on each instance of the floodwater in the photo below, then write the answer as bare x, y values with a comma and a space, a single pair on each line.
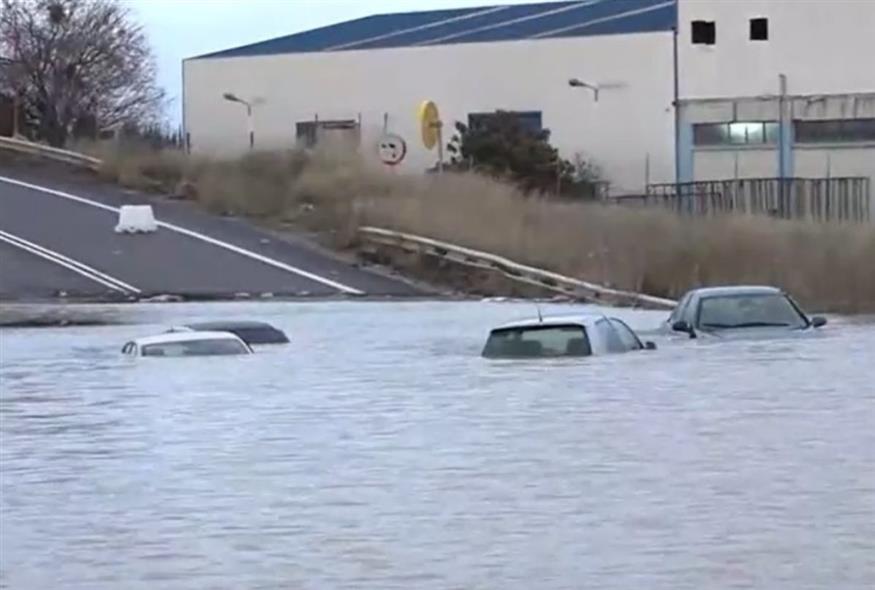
379, 452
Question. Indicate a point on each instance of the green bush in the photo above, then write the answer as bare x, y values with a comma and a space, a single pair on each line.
500, 146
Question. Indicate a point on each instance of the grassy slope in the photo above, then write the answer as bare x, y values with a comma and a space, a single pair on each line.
828, 267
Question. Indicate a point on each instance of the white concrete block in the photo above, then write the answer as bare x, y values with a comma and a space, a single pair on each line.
136, 219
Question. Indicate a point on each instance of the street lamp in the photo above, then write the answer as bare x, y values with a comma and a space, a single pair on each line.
229, 96
577, 83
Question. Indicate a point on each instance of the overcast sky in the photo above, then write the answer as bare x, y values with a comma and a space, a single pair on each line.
184, 28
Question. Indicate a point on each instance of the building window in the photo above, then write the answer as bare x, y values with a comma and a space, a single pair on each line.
704, 32
835, 131
309, 133
529, 120
759, 29
736, 133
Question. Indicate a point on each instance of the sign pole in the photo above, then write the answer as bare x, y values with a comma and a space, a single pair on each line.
440, 146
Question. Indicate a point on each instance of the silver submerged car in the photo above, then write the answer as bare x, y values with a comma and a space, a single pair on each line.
739, 311
563, 336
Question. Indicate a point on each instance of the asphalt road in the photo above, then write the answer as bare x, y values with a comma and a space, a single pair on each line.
24, 273
164, 262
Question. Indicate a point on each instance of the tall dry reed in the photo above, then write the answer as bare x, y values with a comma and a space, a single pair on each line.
829, 267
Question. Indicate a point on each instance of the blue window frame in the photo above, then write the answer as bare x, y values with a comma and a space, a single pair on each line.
530, 120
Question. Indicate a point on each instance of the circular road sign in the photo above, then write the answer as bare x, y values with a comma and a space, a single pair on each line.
430, 123
392, 149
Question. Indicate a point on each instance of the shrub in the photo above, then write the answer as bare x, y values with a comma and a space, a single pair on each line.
499, 145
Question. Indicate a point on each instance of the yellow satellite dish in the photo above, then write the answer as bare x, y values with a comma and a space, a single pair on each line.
430, 123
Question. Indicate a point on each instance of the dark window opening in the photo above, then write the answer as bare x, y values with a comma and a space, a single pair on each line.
759, 29
835, 131
704, 32
528, 120
310, 133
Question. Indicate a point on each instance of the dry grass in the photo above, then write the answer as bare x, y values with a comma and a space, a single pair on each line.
828, 267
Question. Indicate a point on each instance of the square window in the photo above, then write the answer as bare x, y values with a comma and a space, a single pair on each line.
858, 130
738, 133
755, 133
759, 29
772, 130
704, 32
710, 133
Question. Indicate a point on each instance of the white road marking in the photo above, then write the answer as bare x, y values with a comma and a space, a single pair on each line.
197, 236
68, 263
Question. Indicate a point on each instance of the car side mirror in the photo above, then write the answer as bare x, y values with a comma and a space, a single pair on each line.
818, 321
681, 326
649, 345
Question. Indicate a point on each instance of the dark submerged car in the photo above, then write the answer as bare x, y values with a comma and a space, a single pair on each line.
741, 310
248, 331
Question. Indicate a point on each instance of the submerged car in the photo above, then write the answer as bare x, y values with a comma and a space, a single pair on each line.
563, 336
739, 311
252, 333
179, 344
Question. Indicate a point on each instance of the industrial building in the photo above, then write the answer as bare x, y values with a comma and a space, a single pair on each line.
665, 90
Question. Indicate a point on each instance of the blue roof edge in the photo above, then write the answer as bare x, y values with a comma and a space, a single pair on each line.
372, 32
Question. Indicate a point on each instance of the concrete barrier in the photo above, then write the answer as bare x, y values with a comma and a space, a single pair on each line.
133, 219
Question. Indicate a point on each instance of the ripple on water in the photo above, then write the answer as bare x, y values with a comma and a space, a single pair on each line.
378, 451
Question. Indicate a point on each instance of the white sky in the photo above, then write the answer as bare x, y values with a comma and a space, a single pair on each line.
184, 28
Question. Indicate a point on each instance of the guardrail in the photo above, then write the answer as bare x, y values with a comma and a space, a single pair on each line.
518, 272
49, 153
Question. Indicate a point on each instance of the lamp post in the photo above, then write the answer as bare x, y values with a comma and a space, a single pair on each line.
577, 83
249, 124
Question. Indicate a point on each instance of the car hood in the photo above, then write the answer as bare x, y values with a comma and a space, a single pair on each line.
765, 333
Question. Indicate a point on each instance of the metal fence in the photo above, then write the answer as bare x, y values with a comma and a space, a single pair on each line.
817, 199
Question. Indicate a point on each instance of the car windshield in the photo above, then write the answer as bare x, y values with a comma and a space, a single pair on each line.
261, 335
538, 341
251, 334
212, 347
749, 311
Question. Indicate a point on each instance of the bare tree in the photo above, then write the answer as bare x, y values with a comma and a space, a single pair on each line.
72, 61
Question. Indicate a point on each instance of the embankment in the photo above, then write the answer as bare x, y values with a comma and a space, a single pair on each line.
828, 267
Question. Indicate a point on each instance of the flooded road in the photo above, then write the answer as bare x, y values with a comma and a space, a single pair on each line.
379, 451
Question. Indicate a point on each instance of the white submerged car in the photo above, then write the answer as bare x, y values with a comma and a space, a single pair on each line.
179, 344
563, 336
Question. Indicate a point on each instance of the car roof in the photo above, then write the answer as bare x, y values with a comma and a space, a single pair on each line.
230, 325
171, 337
580, 319
736, 290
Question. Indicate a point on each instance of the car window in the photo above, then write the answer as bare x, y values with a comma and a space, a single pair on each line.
212, 347
609, 336
261, 335
538, 341
626, 335
678, 312
749, 311
128, 348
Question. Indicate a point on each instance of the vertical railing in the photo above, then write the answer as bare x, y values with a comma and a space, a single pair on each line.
819, 199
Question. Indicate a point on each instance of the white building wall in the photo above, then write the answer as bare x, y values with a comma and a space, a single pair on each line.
822, 46
632, 120
825, 50
723, 164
